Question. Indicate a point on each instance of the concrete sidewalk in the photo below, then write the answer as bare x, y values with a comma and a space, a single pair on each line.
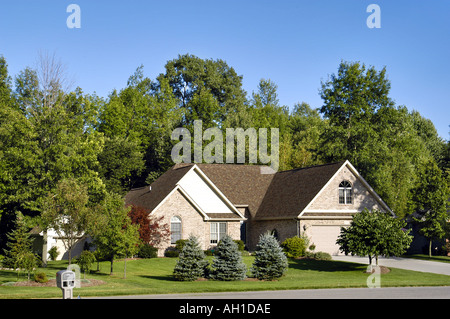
402, 263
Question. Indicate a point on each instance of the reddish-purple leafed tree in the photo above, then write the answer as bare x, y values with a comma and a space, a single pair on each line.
152, 229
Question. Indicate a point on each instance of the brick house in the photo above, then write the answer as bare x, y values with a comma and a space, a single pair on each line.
244, 201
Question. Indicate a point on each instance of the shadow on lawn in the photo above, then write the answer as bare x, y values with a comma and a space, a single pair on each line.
9, 275
163, 278
324, 265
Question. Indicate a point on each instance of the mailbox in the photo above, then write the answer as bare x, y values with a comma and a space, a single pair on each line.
65, 279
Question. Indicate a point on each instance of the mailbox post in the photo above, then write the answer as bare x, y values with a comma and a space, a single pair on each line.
65, 279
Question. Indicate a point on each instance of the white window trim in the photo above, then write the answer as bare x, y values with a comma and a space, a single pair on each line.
215, 232
348, 200
175, 220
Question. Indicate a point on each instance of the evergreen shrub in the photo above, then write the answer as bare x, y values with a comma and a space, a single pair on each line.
191, 263
295, 246
227, 263
270, 261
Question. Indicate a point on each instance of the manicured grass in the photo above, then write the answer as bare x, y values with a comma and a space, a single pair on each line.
154, 276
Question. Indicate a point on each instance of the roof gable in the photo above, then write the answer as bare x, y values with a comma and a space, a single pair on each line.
291, 191
197, 188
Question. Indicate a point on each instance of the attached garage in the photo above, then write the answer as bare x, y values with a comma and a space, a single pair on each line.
324, 237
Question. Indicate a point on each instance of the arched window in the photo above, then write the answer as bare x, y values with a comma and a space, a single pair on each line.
345, 192
175, 229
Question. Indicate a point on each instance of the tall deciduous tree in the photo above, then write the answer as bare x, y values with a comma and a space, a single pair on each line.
351, 98
430, 198
5, 83
197, 82
141, 118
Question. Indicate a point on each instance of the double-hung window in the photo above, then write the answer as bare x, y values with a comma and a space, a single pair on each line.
345, 192
175, 229
218, 231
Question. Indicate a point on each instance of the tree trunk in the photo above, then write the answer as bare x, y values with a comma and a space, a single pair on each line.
369, 269
44, 248
112, 262
429, 248
125, 268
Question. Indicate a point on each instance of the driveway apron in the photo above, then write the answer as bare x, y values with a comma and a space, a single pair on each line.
402, 263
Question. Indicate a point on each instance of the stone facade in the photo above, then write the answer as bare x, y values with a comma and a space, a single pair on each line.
192, 222
282, 229
328, 199
324, 210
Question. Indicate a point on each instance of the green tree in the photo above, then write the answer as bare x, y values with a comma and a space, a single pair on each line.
351, 99
65, 211
58, 140
191, 263
19, 252
305, 127
139, 118
430, 198
196, 83
5, 83
112, 230
392, 164
270, 261
120, 162
227, 263
374, 234
85, 261
384, 142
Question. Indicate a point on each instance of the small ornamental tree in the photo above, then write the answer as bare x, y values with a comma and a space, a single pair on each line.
227, 264
152, 230
270, 261
374, 234
191, 263
85, 261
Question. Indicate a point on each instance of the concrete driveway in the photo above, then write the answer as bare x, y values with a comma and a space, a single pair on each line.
402, 263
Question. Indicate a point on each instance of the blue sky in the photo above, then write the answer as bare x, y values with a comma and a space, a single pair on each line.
296, 44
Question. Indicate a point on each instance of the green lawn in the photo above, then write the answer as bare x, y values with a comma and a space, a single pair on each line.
153, 276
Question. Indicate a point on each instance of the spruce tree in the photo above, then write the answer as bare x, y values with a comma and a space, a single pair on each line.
227, 263
270, 261
19, 253
191, 263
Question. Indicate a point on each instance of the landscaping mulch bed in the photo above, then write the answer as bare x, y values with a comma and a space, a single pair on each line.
383, 270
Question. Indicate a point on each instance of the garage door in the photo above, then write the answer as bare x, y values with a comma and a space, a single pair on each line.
324, 237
